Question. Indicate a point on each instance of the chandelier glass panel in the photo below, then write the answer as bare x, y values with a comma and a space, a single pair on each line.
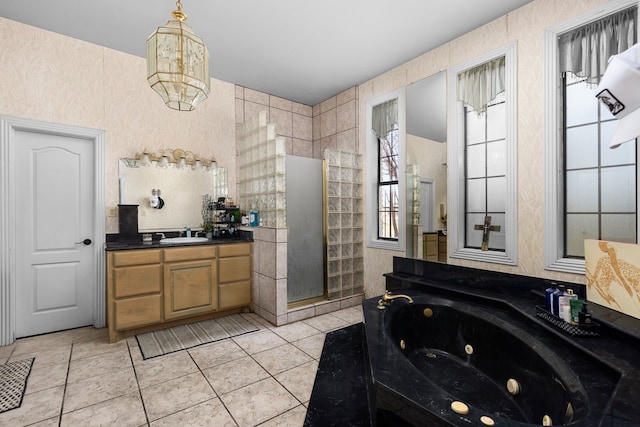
178, 63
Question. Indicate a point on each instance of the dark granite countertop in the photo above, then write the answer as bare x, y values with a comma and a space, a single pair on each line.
618, 344
114, 244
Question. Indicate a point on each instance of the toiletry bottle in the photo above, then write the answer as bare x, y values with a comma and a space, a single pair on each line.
187, 231
564, 305
584, 317
555, 299
547, 295
576, 308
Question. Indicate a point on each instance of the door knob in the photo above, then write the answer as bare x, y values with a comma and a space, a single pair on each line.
85, 241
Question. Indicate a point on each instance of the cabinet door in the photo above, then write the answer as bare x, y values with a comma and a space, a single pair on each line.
190, 288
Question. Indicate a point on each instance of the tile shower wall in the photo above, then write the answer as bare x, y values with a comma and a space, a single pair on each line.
293, 120
261, 187
345, 223
335, 123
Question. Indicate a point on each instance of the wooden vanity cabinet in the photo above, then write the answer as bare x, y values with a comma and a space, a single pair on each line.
134, 289
150, 289
234, 275
190, 281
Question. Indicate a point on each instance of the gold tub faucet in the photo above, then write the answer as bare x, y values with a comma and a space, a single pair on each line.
387, 298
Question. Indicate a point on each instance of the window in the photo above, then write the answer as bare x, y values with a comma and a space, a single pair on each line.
599, 183
385, 172
388, 201
485, 175
482, 159
590, 189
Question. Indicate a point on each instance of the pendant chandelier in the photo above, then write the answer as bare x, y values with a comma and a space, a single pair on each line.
178, 63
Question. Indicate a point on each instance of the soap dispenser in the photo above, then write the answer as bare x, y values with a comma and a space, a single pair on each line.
187, 231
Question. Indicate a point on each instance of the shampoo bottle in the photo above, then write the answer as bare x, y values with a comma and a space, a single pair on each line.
555, 300
548, 294
576, 308
564, 306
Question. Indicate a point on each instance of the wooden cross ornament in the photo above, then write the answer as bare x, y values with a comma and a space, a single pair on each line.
486, 229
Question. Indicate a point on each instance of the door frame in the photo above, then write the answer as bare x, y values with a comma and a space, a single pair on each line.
431, 199
8, 127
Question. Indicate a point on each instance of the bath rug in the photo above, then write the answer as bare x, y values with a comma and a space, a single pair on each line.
13, 382
153, 344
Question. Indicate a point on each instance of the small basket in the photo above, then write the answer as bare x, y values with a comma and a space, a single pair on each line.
591, 330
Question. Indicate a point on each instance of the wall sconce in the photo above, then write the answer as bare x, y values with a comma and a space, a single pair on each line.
155, 201
163, 162
180, 158
182, 163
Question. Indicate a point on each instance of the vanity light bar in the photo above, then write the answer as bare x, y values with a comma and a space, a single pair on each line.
180, 157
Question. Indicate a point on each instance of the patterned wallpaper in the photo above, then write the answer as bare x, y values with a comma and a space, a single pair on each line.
50, 77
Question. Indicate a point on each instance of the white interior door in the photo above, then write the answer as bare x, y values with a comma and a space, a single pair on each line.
54, 211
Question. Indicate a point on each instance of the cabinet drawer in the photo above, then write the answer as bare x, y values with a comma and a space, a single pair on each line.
235, 294
147, 256
234, 269
140, 311
234, 250
189, 253
138, 280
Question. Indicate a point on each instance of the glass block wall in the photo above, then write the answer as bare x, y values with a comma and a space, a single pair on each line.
344, 219
261, 163
414, 228
220, 183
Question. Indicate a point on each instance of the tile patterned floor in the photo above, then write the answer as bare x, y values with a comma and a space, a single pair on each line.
263, 378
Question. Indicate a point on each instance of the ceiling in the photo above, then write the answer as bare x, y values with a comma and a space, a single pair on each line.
301, 50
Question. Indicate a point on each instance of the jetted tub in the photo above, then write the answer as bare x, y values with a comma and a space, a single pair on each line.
500, 366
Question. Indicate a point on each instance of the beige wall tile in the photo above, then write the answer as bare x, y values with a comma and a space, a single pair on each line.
280, 103
328, 104
328, 123
283, 120
346, 116
305, 110
302, 148
346, 96
302, 127
256, 96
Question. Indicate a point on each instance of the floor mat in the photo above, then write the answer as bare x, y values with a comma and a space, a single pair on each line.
153, 344
13, 382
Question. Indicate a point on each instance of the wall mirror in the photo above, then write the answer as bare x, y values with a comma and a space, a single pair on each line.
427, 149
181, 190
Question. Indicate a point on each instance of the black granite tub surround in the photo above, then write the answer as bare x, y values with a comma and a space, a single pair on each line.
468, 352
597, 378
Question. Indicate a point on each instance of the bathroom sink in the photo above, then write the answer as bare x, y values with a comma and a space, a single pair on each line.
183, 240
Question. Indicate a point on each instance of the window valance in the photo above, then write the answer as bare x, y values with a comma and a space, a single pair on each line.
585, 51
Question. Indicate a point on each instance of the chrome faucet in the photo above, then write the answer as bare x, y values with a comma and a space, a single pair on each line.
162, 236
387, 298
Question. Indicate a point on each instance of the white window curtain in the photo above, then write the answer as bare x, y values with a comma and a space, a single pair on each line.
479, 85
585, 51
384, 117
